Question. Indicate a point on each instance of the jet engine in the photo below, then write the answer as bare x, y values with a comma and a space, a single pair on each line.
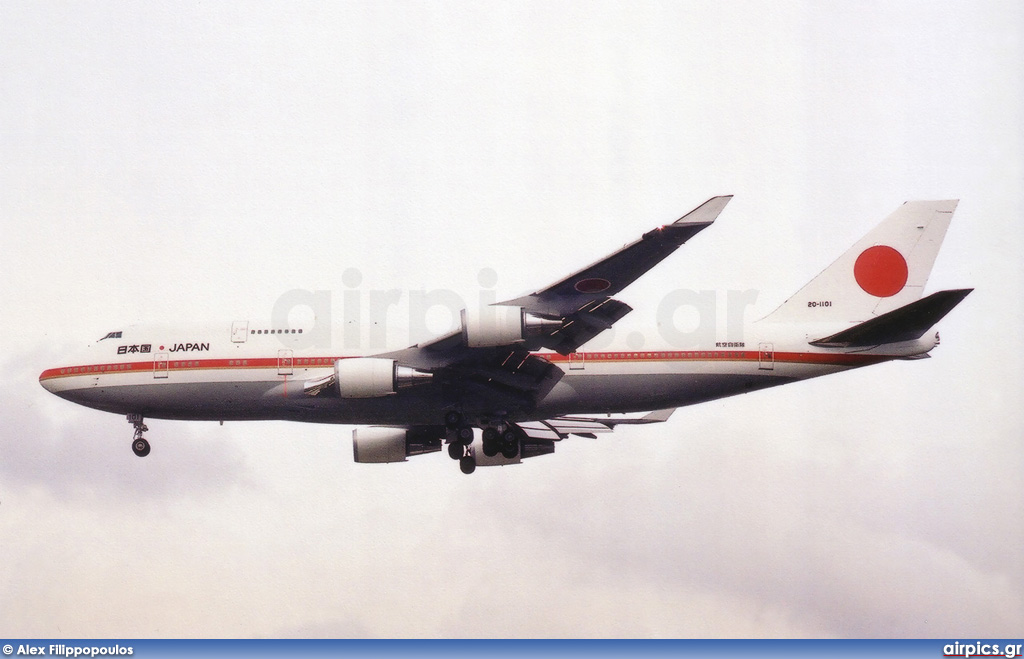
499, 325
370, 377
376, 444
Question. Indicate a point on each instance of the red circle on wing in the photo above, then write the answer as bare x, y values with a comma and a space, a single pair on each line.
881, 271
594, 285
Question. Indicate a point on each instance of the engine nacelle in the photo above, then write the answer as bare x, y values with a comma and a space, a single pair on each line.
370, 377
499, 325
377, 444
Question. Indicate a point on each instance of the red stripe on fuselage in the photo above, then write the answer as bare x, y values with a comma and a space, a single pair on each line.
831, 359
184, 365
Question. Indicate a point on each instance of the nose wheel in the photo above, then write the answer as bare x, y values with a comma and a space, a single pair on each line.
141, 447
139, 444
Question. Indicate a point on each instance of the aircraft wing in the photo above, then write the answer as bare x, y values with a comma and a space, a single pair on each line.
490, 358
610, 275
568, 313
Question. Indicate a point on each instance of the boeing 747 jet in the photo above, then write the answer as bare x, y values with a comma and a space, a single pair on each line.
516, 378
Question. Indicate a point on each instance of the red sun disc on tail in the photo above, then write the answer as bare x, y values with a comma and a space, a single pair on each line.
881, 271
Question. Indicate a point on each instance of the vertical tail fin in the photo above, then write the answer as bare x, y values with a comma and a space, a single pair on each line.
883, 271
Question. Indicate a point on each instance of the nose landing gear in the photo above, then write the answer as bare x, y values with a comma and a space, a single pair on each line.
139, 444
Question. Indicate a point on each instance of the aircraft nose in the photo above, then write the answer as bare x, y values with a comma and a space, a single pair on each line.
53, 382
49, 378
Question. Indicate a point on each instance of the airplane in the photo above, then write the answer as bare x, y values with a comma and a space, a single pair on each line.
516, 378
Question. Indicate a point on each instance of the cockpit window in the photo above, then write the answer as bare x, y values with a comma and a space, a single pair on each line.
112, 335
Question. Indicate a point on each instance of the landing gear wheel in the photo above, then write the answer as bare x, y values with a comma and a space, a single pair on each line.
509, 444
466, 435
456, 451
452, 419
141, 447
490, 442
139, 444
467, 464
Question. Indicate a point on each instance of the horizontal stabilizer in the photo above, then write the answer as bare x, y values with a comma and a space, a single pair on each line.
906, 323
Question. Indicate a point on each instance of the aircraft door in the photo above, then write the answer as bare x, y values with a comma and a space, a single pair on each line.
284, 362
766, 357
160, 365
576, 361
240, 331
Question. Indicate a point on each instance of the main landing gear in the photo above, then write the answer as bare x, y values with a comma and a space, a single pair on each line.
464, 454
495, 439
460, 440
139, 444
504, 441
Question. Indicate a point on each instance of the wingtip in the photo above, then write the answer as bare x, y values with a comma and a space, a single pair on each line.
707, 212
658, 416
941, 205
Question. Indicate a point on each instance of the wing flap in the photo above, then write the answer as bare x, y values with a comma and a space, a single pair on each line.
583, 325
539, 430
588, 426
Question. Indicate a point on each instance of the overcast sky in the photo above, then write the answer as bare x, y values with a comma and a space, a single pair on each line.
196, 161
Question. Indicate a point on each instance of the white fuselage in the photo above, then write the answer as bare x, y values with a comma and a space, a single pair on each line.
240, 373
